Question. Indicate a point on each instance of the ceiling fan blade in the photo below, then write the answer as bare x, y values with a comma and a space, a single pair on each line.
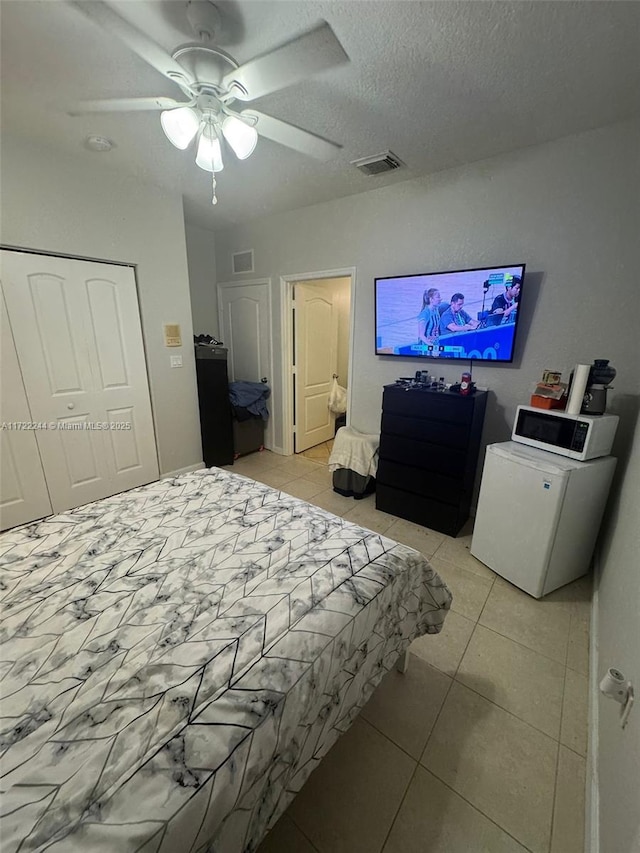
140, 44
125, 105
292, 136
309, 54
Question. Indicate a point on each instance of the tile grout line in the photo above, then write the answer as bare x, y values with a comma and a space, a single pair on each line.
299, 828
506, 710
491, 701
415, 770
555, 782
522, 645
403, 798
511, 713
564, 690
493, 583
429, 770
476, 808
571, 749
433, 773
475, 626
517, 642
384, 734
453, 679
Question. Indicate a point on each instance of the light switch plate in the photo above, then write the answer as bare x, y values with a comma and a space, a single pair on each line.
176, 360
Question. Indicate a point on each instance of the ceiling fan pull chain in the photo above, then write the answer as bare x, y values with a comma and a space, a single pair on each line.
214, 200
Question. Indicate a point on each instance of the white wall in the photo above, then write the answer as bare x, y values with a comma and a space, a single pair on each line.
57, 203
618, 620
201, 259
569, 209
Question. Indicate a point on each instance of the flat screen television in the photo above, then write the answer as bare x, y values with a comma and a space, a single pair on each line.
464, 314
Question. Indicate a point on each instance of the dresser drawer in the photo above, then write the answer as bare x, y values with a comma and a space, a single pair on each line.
438, 516
435, 432
426, 404
423, 455
420, 482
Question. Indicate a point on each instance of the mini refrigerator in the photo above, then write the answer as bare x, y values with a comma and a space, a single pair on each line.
538, 515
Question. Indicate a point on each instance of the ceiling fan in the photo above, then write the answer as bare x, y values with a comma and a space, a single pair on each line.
212, 81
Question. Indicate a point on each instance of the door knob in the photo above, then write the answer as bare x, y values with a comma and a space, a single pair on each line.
71, 405
264, 379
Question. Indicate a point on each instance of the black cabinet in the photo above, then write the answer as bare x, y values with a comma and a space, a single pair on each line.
429, 445
216, 425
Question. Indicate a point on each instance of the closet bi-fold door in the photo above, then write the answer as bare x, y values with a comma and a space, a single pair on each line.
23, 490
76, 326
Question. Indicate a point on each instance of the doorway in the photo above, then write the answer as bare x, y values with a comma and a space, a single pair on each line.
317, 324
244, 311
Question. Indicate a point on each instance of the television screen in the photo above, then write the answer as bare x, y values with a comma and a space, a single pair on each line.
466, 314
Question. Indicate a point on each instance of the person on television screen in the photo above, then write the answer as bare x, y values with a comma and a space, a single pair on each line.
429, 317
455, 318
506, 304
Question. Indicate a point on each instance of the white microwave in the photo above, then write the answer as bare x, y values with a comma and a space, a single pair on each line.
579, 437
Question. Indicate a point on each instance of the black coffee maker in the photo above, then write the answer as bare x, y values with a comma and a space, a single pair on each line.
601, 375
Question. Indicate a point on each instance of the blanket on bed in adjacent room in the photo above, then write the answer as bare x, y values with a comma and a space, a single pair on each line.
177, 659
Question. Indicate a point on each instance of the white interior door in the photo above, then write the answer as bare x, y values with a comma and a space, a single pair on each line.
23, 490
76, 326
245, 328
316, 360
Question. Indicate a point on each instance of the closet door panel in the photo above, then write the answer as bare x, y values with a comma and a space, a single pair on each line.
53, 308
47, 309
23, 490
108, 333
79, 342
121, 374
126, 449
79, 449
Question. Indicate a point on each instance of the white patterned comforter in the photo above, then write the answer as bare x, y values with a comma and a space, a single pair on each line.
177, 659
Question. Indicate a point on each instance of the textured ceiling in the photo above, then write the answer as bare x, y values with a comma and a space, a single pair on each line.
438, 83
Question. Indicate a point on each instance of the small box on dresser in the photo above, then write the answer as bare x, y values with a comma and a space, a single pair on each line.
429, 446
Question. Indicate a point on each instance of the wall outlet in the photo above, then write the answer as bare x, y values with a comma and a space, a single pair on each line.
176, 360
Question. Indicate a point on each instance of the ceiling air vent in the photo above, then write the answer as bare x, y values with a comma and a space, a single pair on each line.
378, 164
242, 261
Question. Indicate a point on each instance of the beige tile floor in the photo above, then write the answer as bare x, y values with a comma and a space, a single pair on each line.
481, 746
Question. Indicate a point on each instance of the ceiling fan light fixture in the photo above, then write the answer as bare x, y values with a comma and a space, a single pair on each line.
242, 137
209, 155
180, 126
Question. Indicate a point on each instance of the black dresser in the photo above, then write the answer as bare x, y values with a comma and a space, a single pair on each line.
216, 426
429, 447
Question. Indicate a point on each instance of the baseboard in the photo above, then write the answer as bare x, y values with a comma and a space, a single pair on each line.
592, 794
197, 467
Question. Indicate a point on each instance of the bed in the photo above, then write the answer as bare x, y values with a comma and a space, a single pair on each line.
178, 658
